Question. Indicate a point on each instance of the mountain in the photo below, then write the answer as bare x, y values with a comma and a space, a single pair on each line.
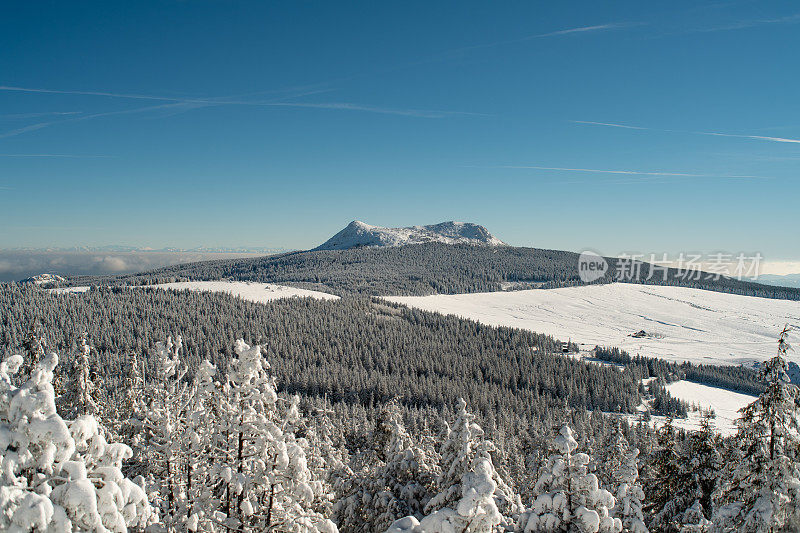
358, 234
44, 279
789, 280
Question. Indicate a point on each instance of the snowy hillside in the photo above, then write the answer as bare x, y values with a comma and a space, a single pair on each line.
43, 279
725, 403
788, 280
70, 290
679, 323
253, 292
358, 234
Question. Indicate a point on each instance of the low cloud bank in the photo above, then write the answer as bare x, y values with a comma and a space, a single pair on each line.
16, 265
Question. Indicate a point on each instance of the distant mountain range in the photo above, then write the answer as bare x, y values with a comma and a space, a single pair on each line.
122, 248
358, 234
789, 280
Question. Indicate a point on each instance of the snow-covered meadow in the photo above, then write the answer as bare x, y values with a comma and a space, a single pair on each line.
70, 290
246, 290
682, 324
725, 403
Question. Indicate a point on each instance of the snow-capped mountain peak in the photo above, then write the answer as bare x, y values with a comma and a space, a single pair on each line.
358, 234
44, 279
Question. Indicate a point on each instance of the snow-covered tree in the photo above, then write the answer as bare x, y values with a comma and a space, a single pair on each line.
693, 520
471, 494
267, 483
198, 437
681, 477
132, 414
760, 488
703, 461
629, 494
567, 497
163, 430
399, 484
34, 346
59, 475
80, 395
667, 481
622, 463
327, 458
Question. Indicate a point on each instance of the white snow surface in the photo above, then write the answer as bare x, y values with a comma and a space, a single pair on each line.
725, 403
68, 290
41, 279
683, 324
251, 291
358, 233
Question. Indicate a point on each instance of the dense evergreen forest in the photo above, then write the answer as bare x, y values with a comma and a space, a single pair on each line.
124, 435
736, 378
421, 269
355, 349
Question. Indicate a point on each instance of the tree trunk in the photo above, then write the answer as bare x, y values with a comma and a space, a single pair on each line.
269, 505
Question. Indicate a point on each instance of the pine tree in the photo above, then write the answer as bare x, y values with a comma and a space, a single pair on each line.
567, 497
163, 426
132, 415
399, 484
267, 483
59, 475
622, 460
198, 440
704, 462
666, 475
80, 395
760, 489
682, 476
34, 346
471, 493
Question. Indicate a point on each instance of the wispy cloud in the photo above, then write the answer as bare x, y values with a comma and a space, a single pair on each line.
608, 124
225, 100
11, 88
421, 113
710, 133
182, 104
658, 173
568, 31
81, 118
15, 116
69, 156
26, 129
751, 23
584, 29
756, 137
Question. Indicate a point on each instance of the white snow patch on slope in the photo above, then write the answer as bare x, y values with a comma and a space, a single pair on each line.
253, 292
69, 290
358, 233
42, 279
685, 324
725, 403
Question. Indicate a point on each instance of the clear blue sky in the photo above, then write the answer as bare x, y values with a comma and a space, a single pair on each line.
275, 124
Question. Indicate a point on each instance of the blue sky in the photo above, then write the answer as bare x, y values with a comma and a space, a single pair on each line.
275, 124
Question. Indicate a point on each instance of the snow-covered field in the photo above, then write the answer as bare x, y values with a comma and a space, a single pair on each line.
725, 403
682, 323
254, 292
68, 290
